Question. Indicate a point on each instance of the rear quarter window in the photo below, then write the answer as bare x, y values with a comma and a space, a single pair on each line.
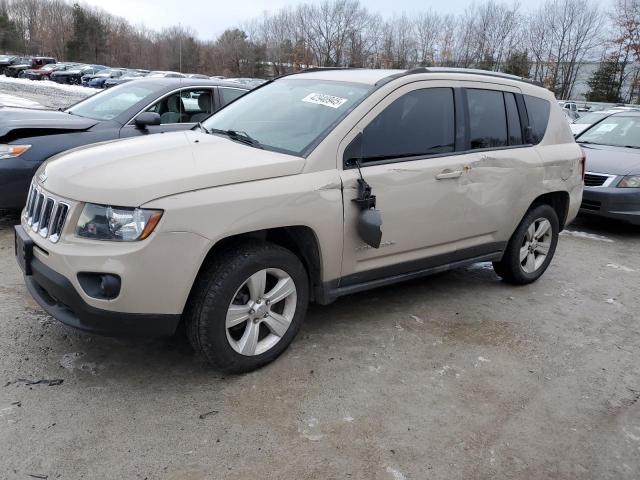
538, 112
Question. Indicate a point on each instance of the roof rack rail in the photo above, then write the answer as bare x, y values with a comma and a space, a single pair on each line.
313, 69
472, 71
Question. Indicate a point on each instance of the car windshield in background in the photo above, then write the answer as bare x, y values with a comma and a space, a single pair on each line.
289, 115
615, 131
111, 103
590, 118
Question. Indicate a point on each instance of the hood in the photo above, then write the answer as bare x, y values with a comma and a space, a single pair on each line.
13, 119
135, 171
612, 160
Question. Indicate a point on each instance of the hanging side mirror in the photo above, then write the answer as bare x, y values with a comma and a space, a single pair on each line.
369, 219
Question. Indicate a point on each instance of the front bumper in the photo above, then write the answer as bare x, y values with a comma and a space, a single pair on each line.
610, 202
58, 297
15, 175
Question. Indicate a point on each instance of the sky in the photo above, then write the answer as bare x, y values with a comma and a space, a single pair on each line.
209, 18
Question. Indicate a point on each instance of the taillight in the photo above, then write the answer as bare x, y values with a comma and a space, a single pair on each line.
583, 162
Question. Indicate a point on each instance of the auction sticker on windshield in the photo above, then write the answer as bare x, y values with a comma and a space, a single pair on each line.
606, 127
326, 100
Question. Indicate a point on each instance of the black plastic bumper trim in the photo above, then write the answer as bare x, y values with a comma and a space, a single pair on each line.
59, 298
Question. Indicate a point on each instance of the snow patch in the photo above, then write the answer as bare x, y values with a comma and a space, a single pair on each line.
615, 266
397, 474
588, 236
77, 89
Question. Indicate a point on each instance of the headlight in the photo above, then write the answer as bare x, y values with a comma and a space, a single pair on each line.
630, 181
103, 222
12, 151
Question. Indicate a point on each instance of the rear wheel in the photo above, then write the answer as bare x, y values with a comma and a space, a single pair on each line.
247, 306
531, 248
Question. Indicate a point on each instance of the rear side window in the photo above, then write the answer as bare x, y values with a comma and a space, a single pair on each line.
421, 122
487, 119
538, 113
513, 119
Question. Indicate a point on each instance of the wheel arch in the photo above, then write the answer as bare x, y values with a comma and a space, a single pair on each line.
558, 200
299, 239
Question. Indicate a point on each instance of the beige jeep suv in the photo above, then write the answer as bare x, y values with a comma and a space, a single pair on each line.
313, 186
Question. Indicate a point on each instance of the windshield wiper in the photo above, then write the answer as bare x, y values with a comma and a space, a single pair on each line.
238, 136
202, 127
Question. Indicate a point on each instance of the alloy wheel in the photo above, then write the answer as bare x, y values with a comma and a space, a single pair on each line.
535, 245
261, 312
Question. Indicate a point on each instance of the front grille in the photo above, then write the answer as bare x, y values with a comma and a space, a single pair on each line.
590, 205
594, 180
45, 214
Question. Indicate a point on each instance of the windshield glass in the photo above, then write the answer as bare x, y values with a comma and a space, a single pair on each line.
110, 103
289, 115
617, 131
590, 118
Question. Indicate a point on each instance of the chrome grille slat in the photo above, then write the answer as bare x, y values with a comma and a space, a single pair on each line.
45, 214
45, 219
37, 211
57, 222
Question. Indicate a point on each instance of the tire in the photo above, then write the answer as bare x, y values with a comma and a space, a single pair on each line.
531, 238
228, 289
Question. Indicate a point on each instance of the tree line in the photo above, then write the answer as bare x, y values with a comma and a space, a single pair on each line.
548, 44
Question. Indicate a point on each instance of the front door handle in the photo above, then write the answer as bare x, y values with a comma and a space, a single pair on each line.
445, 174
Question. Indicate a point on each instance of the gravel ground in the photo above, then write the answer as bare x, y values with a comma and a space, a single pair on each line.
47, 93
456, 376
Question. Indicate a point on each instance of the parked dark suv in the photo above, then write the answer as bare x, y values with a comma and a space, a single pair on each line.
6, 61
27, 63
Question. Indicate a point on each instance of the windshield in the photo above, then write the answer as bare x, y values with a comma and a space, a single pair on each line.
590, 118
110, 103
617, 131
289, 115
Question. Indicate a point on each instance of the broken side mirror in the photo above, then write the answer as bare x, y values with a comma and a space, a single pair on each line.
369, 219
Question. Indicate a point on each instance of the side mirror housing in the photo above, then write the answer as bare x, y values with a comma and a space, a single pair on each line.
146, 119
369, 227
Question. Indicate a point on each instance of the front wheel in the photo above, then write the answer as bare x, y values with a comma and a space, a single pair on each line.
531, 248
247, 306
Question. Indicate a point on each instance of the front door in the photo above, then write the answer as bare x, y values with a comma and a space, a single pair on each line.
417, 157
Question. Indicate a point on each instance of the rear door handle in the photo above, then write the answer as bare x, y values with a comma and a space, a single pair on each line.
445, 174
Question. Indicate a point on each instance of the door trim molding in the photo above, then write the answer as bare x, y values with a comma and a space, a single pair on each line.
380, 277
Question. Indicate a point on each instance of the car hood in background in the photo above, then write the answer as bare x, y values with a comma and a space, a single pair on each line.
135, 171
13, 101
612, 160
577, 128
13, 119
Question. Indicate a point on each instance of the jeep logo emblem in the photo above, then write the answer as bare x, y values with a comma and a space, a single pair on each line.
42, 178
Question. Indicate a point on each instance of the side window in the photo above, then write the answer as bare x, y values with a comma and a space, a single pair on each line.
228, 95
487, 119
538, 113
186, 106
513, 119
421, 122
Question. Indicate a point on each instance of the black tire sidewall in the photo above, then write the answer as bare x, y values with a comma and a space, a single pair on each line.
512, 257
211, 316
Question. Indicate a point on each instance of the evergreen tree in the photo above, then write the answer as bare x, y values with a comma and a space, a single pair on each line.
603, 85
89, 33
9, 40
517, 63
